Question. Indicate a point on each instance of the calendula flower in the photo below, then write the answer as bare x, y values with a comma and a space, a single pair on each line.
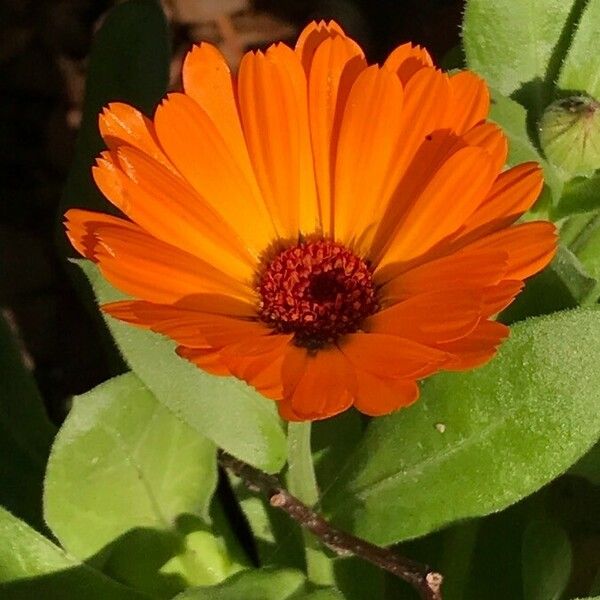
328, 231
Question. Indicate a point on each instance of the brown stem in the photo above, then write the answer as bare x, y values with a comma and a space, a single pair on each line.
427, 582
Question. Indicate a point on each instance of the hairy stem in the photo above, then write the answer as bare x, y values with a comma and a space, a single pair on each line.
425, 581
302, 483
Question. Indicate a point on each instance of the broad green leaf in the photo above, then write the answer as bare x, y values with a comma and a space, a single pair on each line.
518, 44
224, 409
478, 441
129, 63
261, 584
581, 194
580, 70
123, 473
546, 556
31, 567
25, 435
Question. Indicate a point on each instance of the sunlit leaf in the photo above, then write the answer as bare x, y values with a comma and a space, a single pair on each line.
517, 45
125, 478
581, 66
224, 409
478, 441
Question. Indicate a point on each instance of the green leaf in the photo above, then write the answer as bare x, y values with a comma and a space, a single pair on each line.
479, 441
25, 435
517, 44
546, 556
580, 70
224, 409
123, 473
129, 63
262, 584
581, 194
31, 566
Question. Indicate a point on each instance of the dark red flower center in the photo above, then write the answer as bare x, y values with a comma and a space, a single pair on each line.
317, 290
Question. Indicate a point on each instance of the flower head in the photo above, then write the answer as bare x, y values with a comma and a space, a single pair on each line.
328, 231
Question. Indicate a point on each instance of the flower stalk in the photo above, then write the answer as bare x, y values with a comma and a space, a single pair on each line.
423, 579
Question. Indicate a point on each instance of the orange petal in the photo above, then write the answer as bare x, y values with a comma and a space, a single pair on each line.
477, 348
498, 297
121, 124
513, 192
272, 93
406, 60
449, 198
166, 207
200, 152
491, 138
336, 64
312, 36
190, 328
530, 247
369, 134
315, 386
207, 79
391, 356
80, 225
142, 266
258, 361
463, 269
208, 360
430, 318
469, 102
376, 396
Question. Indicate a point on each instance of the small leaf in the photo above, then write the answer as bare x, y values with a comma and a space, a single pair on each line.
581, 194
509, 428
25, 435
262, 584
122, 475
224, 409
579, 71
31, 566
546, 556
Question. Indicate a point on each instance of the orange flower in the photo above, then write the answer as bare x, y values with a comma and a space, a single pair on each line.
328, 231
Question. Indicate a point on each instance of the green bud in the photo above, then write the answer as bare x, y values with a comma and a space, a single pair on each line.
570, 135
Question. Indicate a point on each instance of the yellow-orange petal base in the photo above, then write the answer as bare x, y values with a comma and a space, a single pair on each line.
330, 232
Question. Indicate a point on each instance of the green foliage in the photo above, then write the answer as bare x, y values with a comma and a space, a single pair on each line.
124, 479
510, 426
580, 70
31, 566
25, 435
225, 410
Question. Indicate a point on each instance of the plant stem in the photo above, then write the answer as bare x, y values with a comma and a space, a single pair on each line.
425, 581
302, 483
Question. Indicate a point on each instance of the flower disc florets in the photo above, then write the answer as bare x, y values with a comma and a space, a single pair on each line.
317, 290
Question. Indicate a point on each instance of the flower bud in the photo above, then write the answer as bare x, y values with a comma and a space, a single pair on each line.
570, 135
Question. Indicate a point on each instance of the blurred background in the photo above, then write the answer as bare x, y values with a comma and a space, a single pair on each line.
44, 50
